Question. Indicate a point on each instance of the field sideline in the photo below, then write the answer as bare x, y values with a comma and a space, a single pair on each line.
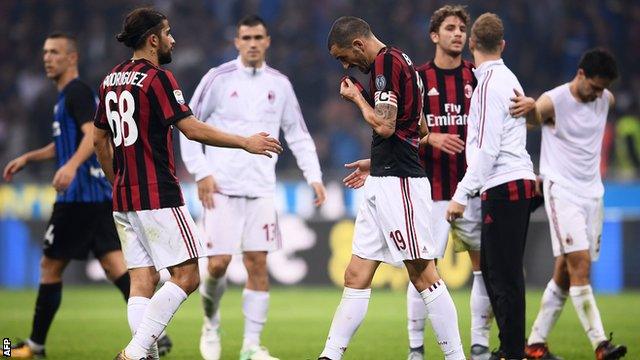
91, 324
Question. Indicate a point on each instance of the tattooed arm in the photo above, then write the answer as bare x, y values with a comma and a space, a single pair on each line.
382, 118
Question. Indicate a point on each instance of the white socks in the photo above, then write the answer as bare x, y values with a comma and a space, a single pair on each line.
347, 319
255, 305
551, 305
444, 320
416, 315
211, 291
436, 301
588, 313
136, 306
481, 312
160, 309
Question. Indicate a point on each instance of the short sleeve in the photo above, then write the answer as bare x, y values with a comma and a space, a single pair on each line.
100, 117
80, 102
386, 77
172, 106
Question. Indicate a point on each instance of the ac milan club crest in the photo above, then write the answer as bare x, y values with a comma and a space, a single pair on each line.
468, 91
271, 96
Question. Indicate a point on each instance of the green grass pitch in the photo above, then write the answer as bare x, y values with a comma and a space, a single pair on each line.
91, 324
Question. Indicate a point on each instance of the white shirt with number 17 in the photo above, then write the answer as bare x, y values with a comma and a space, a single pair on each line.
245, 101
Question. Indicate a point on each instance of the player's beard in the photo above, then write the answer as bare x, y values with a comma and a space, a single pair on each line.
364, 66
164, 57
453, 53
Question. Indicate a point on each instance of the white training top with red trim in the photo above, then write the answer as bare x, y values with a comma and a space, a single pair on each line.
245, 101
496, 142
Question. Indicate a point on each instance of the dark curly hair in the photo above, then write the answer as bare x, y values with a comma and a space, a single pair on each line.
138, 25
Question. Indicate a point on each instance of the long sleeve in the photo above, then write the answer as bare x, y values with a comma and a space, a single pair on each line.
491, 124
202, 105
298, 138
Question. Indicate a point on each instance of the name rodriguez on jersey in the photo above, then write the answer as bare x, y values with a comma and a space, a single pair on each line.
124, 78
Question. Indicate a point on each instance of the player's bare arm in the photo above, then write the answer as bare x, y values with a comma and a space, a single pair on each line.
44, 153
65, 175
260, 143
382, 119
386, 115
537, 112
104, 152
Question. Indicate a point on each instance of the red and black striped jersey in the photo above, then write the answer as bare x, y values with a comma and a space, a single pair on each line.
394, 80
139, 103
447, 99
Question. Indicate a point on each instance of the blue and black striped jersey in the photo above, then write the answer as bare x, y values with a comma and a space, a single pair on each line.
76, 105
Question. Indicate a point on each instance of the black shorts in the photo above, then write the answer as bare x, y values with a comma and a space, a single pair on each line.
77, 228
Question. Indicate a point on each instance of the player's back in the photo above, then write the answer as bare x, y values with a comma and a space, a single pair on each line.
139, 103
447, 99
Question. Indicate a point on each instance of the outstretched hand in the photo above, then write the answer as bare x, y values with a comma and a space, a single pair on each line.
262, 144
357, 178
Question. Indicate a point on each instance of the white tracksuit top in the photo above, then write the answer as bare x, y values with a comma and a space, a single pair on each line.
245, 101
496, 142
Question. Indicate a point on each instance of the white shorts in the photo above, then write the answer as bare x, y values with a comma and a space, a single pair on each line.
575, 222
465, 231
394, 220
237, 224
161, 238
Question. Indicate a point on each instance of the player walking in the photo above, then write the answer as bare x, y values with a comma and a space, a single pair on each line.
393, 223
573, 117
81, 220
140, 102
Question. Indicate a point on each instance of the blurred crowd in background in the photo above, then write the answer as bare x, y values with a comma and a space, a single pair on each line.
545, 39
